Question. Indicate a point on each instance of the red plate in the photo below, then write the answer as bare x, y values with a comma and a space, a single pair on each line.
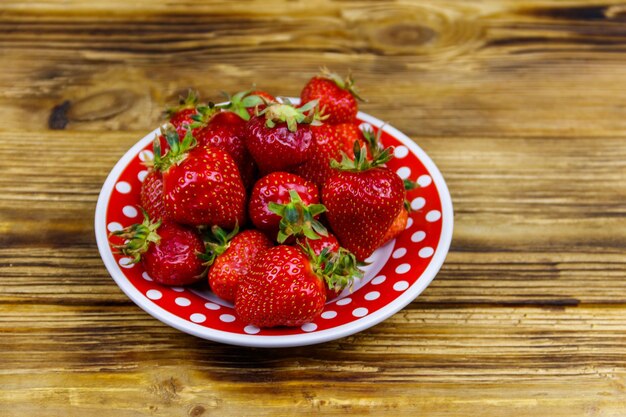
398, 273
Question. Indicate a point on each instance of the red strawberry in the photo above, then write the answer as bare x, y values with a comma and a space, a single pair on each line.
280, 136
224, 130
231, 257
182, 115
329, 142
201, 186
169, 251
265, 97
283, 204
362, 201
343, 265
283, 288
151, 195
337, 97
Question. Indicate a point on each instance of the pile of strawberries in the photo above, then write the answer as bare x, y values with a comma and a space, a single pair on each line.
277, 205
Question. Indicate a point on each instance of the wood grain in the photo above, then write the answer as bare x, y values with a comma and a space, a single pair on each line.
520, 104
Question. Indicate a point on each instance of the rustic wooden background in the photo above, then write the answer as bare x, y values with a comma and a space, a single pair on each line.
522, 104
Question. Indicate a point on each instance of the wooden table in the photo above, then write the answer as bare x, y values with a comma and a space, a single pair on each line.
521, 105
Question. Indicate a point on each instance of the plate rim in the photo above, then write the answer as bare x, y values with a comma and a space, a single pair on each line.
267, 341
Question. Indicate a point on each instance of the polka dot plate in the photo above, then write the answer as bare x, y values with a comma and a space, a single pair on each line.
397, 273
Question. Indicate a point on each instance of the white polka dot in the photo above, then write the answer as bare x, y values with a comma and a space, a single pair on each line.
418, 236
329, 314
178, 289
123, 187
227, 318
403, 268
418, 203
251, 329
379, 280
130, 211
372, 295
212, 306
309, 327
344, 301
360, 312
426, 252
146, 155
366, 126
182, 301
398, 253
142, 175
424, 180
409, 223
400, 285
126, 263
146, 276
404, 172
154, 294
114, 227
400, 151
197, 318
433, 215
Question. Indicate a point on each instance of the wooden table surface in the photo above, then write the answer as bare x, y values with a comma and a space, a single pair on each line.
521, 104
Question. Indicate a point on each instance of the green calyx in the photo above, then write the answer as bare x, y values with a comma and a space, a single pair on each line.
338, 269
188, 102
203, 115
372, 140
138, 237
239, 103
288, 113
298, 219
177, 151
360, 161
216, 242
343, 83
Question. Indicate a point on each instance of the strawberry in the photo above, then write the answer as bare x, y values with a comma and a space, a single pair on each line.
284, 288
151, 195
280, 137
337, 97
201, 186
231, 256
224, 130
397, 227
329, 141
168, 251
283, 204
362, 200
344, 265
182, 115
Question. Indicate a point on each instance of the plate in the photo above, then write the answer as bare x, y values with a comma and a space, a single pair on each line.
398, 272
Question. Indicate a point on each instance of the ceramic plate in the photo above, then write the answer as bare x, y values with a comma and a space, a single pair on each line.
397, 274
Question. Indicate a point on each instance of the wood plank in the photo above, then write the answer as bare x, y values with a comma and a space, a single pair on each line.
442, 362
457, 68
523, 235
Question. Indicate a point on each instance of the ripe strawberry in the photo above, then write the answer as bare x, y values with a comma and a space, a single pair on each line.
201, 186
362, 200
329, 141
151, 195
283, 204
231, 257
337, 97
280, 136
283, 288
169, 251
344, 266
224, 130
182, 115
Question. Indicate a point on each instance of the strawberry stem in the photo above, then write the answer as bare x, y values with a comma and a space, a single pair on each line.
239, 103
338, 269
287, 113
184, 103
177, 149
345, 84
138, 237
360, 162
216, 243
298, 219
